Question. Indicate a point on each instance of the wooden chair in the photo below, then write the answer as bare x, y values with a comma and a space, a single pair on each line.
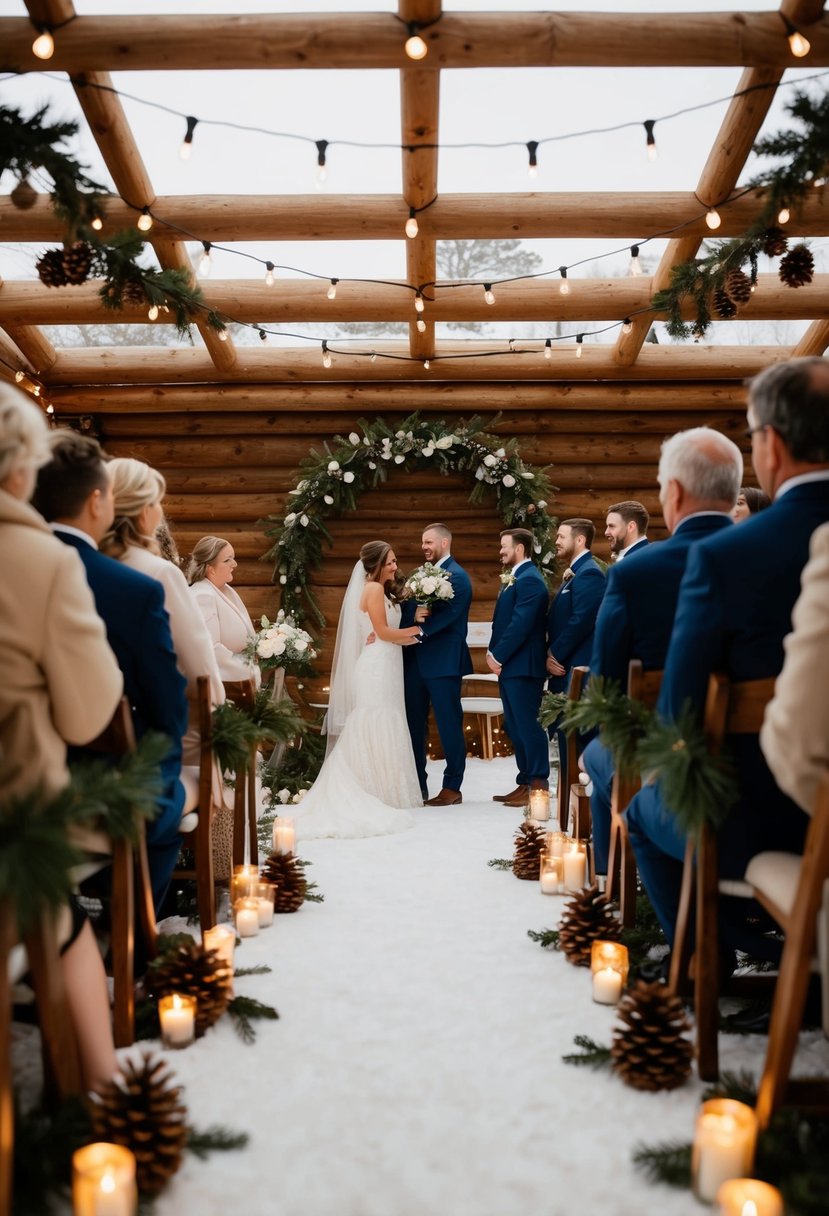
730, 709
485, 708
242, 693
200, 840
795, 891
578, 678
621, 864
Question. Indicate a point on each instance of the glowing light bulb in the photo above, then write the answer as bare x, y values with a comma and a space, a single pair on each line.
18, 376
489, 294
322, 175
152, 312
145, 220
784, 215
426, 364
579, 345
187, 143
50, 409
412, 227
548, 349
565, 286
650, 140
421, 325
626, 326
332, 290
223, 335
635, 264
97, 223
205, 261
419, 304
269, 269
44, 45
326, 355
373, 358
799, 45
712, 218
414, 46
532, 151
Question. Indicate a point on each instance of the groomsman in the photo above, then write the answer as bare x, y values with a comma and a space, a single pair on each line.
432, 671
517, 656
734, 610
572, 616
699, 475
626, 527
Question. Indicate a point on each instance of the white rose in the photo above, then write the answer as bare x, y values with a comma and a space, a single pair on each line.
500, 452
301, 645
326, 498
265, 649
283, 578
548, 557
444, 442
536, 547
298, 796
479, 473
428, 450
372, 465
445, 592
490, 461
399, 459
283, 795
508, 480
354, 438
279, 646
385, 454
333, 466
289, 519
348, 477
428, 586
302, 485
400, 434
528, 476
541, 504
303, 519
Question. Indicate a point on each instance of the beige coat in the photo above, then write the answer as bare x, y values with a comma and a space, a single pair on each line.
229, 625
59, 680
795, 734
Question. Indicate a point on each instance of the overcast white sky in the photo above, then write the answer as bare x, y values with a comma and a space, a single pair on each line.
482, 105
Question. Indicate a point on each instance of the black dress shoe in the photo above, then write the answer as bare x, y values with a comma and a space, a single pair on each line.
752, 1019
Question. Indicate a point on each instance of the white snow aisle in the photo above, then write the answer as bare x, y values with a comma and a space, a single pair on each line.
416, 1069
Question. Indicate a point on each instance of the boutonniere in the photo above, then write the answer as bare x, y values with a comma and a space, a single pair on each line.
507, 578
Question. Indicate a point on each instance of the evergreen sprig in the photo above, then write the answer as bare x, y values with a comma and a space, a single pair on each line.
668, 1162
623, 720
500, 863
117, 797
237, 729
591, 1055
259, 969
245, 1011
547, 938
214, 1139
552, 707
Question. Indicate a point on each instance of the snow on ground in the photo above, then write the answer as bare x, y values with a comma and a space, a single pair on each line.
416, 1068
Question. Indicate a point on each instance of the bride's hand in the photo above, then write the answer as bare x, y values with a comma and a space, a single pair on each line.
412, 635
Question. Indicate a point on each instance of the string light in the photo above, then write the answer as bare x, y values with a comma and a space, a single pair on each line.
650, 138
205, 261
269, 269
326, 356
635, 264
421, 325
322, 171
19, 376
145, 220
489, 294
565, 286
332, 290
784, 215
627, 327
426, 364
532, 149
414, 45
187, 145
579, 345
152, 312
50, 409
798, 43
712, 218
263, 337
97, 223
223, 335
548, 349
419, 304
411, 224
44, 45
373, 357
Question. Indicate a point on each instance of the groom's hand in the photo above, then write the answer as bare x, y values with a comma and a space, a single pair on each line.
493, 664
421, 612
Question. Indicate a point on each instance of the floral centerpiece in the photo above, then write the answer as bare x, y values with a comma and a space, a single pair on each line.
281, 643
430, 585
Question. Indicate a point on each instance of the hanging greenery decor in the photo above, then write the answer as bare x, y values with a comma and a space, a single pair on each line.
332, 481
717, 283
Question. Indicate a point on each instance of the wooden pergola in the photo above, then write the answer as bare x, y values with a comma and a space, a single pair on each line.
227, 424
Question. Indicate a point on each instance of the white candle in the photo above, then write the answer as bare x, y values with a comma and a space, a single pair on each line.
575, 863
723, 1145
222, 939
749, 1197
551, 875
539, 804
247, 917
555, 843
103, 1181
607, 986
284, 835
265, 911
177, 1015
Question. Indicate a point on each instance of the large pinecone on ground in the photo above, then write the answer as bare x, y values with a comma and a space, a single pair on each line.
773, 242
797, 267
651, 1050
724, 306
529, 845
588, 917
144, 1113
49, 267
77, 260
287, 872
738, 286
193, 971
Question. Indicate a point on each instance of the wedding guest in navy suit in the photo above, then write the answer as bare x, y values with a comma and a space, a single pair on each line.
517, 656
734, 610
432, 671
74, 494
699, 476
626, 528
572, 616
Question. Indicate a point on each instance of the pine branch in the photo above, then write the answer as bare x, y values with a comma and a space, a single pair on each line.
669, 1162
117, 797
741, 1086
245, 1011
312, 895
214, 1139
259, 969
500, 863
546, 938
552, 707
592, 1054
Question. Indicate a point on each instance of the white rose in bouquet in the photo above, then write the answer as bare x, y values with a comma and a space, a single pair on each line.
429, 583
281, 643
428, 586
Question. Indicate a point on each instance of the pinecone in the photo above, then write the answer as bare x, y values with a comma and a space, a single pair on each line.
724, 306
797, 267
287, 872
193, 971
49, 267
588, 917
24, 194
144, 1113
529, 845
77, 260
773, 242
650, 1050
133, 292
738, 286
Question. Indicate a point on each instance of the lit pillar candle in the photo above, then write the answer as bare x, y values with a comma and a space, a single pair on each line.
748, 1197
609, 965
247, 916
575, 867
724, 1140
284, 835
266, 893
552, 873
222, 939
244, 883
539, 805
177, 1015
103, 1181
555, 843
607, 986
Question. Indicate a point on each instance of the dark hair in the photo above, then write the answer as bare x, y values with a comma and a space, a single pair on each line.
629, 510
793, 397
521, 536
582, 527
373, 556
756, 500
76, 470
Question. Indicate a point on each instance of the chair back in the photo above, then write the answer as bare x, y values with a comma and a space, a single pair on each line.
118, 736
241, 692
578, 678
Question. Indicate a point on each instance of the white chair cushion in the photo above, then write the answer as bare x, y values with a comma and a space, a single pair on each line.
491, 706
777, 875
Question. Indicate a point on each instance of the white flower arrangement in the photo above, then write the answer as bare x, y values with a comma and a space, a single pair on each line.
430, 585
280, 643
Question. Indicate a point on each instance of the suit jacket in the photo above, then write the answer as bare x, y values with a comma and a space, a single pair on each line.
572, 617
518, 632
734, 610
795, 734
138, 630
637, 613
635, 549
229, 625
443, 650
60, 680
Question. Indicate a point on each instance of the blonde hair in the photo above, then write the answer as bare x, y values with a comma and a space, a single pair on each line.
135, 485
204, 554
24, 432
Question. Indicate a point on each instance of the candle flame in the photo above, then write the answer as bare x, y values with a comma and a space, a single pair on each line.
108, 1183
177, 1002
749, 1208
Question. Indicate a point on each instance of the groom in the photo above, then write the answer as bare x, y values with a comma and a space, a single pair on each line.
432, 671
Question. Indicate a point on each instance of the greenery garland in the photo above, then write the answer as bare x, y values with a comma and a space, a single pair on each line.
622, 719
716, 283
332, 481
238, 729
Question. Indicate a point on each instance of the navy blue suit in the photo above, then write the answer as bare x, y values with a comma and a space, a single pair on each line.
635, 622
570, 624
734, 610
432, 674
131, 606
517, 643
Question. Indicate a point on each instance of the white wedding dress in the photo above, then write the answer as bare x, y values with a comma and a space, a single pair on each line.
368, 781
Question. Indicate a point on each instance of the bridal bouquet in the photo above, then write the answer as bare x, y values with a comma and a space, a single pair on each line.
280, 643
430, 585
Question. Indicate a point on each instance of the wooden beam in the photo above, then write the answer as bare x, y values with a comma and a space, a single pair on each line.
35, 346
375, 40
815, 341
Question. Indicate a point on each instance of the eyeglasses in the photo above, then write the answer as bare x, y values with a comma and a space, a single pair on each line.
752, 430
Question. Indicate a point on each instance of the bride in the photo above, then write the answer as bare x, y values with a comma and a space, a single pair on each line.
368, 779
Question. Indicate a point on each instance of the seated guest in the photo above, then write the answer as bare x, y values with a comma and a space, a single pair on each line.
53, 650
75, 494
626, 528
734, 611
210, 573
699, 472
750, 500
795, 734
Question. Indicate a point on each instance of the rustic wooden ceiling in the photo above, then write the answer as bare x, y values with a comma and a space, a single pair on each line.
91, 47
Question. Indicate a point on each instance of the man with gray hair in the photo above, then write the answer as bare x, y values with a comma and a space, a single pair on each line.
700, 472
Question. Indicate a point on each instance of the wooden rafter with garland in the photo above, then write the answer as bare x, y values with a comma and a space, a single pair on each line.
332, 481
724, 278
